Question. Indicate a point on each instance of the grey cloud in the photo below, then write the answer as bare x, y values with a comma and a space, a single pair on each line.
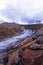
22, 12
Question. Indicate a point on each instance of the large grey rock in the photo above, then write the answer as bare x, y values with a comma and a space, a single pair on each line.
40, 39
4, 59
37, 33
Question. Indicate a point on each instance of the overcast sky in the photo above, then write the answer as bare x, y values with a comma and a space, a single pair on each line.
21, 11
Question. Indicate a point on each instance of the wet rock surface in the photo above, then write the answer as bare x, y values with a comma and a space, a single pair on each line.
40, 39
4, 58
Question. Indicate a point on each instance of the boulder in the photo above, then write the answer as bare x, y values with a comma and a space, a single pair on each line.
32, 57
38, 33
4, 59
26, 41
10, 47
38, 60
36, 46
17, 61
40, 39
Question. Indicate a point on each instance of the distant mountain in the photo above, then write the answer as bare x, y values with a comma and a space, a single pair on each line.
6, 23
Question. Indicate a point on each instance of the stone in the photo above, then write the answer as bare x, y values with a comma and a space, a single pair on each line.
30, 57
37, 33
26, 41
17, 61
40, 39
36, 46
4, 59
9, 48
38, 60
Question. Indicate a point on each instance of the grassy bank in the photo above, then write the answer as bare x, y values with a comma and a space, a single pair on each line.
7, 31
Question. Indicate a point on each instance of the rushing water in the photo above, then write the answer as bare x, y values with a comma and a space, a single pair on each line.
8, 41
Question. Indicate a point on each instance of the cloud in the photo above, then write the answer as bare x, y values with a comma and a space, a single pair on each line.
21, 11
4, 19
3, 4
30, 7
19, 21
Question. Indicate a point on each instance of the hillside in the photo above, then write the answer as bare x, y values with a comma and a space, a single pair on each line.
8, 30
33, 26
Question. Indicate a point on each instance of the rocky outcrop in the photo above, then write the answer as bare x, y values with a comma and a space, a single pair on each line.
40, 39
26, 41
30, 57
38, 60
17, 61
36, 46
4, 59
26, 52
37, 33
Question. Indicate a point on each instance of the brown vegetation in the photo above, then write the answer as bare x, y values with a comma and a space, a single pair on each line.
7, 31
34, 26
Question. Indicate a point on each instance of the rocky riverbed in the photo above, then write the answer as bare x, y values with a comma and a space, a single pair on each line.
28, 51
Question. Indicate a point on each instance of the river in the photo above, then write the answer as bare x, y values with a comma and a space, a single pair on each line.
6, 42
